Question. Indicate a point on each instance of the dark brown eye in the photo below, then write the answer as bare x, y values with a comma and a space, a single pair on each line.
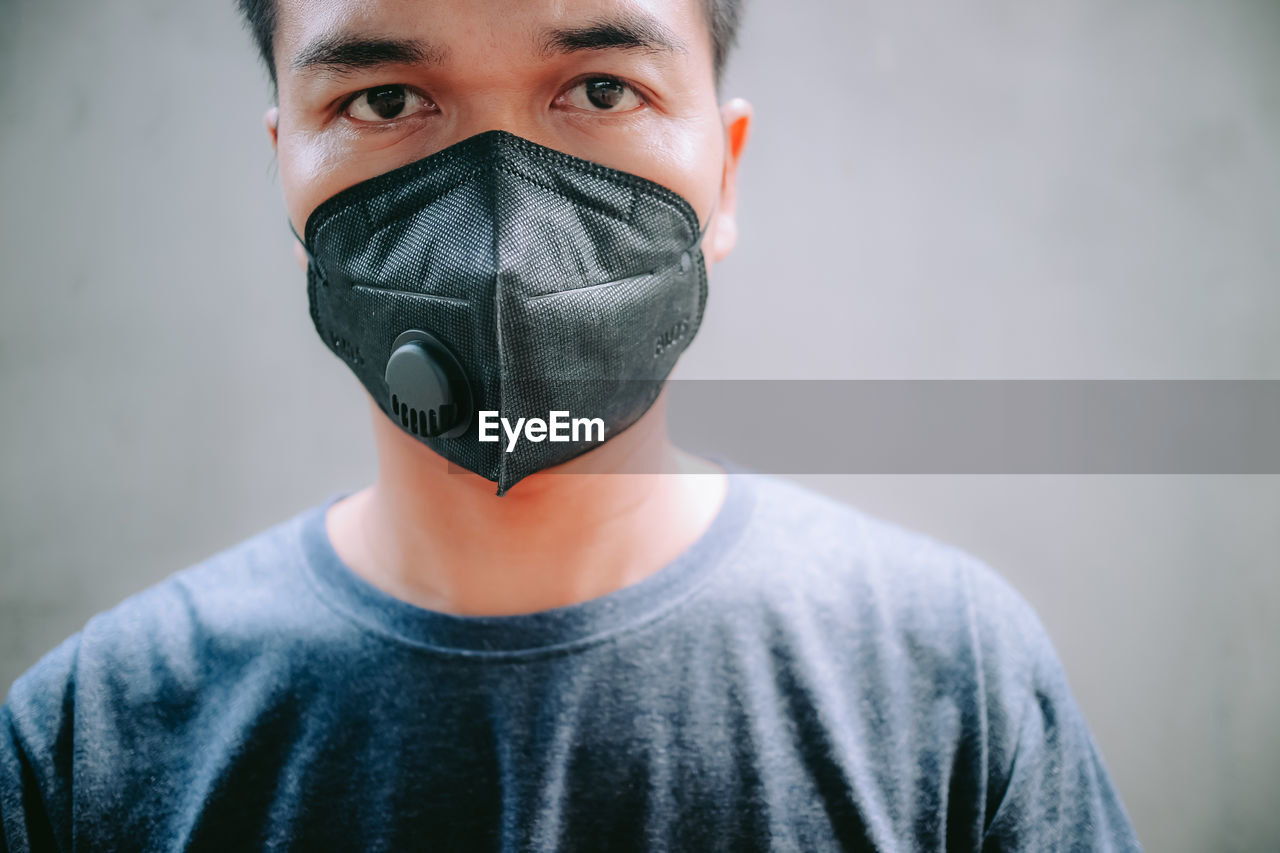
600, 94
386, 103
605, 94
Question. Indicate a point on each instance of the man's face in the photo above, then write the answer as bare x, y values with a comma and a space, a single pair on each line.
366, 86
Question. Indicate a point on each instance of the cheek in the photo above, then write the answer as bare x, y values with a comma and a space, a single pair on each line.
312, 170
688, 162
703, 190
691, 164
303, 171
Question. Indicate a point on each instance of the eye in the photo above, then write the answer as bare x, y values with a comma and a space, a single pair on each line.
603, 94
386, 103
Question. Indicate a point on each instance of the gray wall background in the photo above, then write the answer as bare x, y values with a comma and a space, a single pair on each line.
991, 189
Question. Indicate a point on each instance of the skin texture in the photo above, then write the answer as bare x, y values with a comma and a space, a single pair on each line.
428, 532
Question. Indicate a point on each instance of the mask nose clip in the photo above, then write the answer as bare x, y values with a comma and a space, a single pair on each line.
430, 395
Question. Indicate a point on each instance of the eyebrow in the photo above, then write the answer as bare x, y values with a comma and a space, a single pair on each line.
342, 52
623, 32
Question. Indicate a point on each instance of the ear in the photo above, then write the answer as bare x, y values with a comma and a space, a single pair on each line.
271, 120
736, 115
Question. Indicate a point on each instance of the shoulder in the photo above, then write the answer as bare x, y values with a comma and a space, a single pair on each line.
941, 654
873, 603
813, 550
257, 584
168, 639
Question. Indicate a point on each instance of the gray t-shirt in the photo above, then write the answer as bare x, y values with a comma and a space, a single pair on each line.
804, 678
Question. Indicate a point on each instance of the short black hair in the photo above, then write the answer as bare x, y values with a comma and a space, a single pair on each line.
723, 17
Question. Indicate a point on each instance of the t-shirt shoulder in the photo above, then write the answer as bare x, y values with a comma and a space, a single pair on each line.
163, 640
844, 565
921, 632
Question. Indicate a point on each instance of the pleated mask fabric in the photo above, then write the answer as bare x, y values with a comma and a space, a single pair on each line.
556, 283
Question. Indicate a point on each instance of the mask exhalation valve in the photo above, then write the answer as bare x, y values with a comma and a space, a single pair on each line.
430, 395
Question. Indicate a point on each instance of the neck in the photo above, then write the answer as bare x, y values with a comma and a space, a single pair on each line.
439, 537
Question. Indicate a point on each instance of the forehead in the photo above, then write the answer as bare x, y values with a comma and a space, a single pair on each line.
467, 31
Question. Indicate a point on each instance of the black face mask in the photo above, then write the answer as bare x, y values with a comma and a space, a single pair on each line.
501, 276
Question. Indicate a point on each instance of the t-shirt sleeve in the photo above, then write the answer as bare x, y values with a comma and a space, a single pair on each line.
1058, 794
1048, 788
35, 755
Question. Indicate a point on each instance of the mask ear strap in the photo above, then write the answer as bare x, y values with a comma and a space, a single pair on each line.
302, 242
702, 230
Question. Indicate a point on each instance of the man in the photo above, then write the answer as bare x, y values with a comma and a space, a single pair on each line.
506, 212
